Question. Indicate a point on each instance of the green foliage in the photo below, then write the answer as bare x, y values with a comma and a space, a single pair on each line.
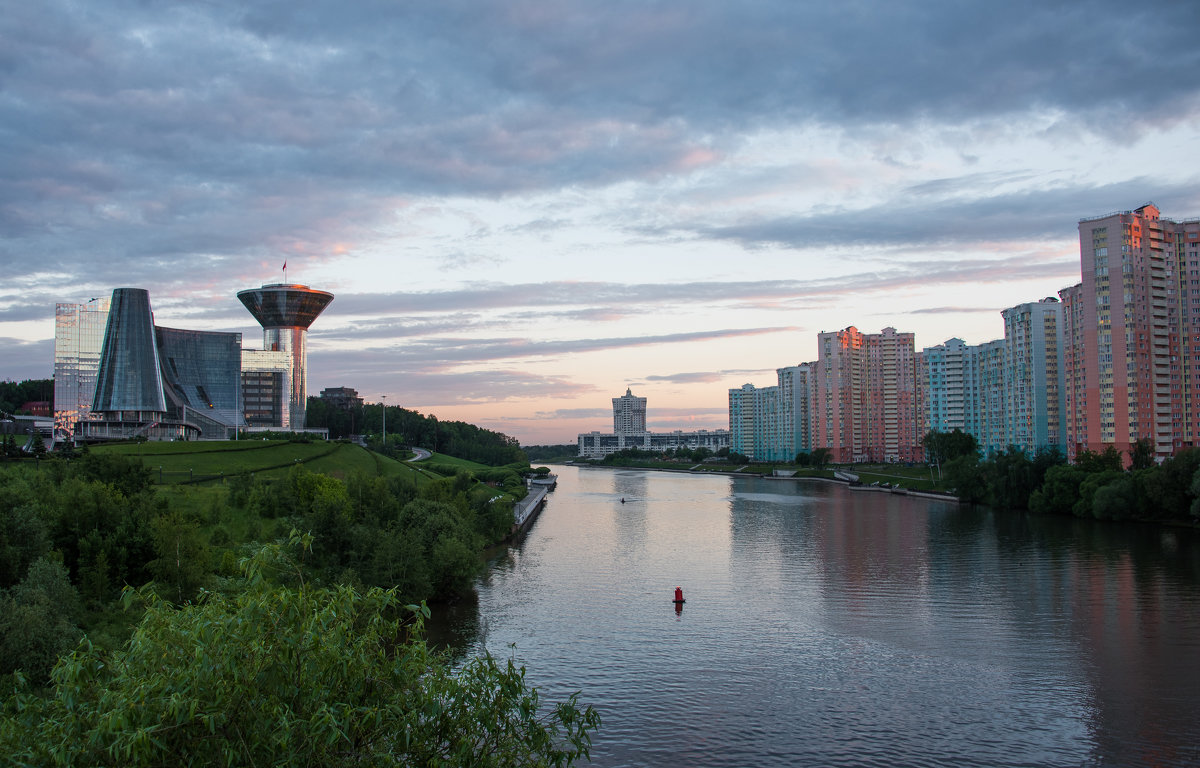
125, 474
287, 676
1059, 491
941, 447
23, 533
181, 565
1109, 460
966, 477
14, 394
38, 621
551, 452
819, 457
1141, 454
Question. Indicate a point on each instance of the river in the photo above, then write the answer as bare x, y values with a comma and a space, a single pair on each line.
830, 627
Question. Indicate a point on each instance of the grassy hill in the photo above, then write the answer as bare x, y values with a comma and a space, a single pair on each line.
214, 461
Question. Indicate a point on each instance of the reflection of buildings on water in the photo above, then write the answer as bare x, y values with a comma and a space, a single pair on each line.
118, 375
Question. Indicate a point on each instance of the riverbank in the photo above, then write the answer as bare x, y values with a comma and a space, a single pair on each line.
921, 493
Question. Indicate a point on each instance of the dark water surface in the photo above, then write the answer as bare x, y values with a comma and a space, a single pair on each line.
830, 627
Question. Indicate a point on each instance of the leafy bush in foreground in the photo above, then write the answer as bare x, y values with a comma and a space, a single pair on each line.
286, 676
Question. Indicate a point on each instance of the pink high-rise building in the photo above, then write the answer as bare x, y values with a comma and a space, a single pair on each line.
867, 403
1132, 331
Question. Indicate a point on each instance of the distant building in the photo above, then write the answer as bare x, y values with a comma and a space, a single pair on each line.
773, 423
285, 311
1004, 392
868, 400
78, 339
629, 414
341, 397
1034, 397
163, 383
1133, 323
629, 431
118, 375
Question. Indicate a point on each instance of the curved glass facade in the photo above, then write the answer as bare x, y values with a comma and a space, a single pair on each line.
129, 380
202, 371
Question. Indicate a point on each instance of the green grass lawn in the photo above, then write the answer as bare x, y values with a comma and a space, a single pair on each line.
441, 458
213, 461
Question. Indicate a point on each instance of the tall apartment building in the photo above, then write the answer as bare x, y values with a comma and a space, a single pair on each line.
1135, 318
1034, 396
945, 370
773, 423
629, 414
796, 387
1004, 392
741, 420
867, 403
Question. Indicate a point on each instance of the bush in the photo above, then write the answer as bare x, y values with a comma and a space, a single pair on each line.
287, 676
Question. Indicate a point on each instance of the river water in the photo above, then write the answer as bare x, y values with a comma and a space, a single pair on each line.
829, 627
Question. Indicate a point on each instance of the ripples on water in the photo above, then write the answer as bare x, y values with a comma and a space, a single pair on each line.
831, 627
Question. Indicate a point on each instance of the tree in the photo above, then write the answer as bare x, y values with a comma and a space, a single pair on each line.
1090, 461
1141, 454
287, 676
965, 478
941, 447
38, 621
181, 567
1059, 491
820, 457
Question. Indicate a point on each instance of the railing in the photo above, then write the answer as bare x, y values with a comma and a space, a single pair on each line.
525, 507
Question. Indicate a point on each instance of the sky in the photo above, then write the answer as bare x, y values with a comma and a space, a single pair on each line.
524, 208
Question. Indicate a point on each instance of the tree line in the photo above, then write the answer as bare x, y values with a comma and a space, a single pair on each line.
73, 534
411, 428
14, 394
1097, 485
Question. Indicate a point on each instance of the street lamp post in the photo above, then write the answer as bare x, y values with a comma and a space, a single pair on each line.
383, 405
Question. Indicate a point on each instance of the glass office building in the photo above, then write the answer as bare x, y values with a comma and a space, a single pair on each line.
129, 385
201, 373
78, 340
118, 375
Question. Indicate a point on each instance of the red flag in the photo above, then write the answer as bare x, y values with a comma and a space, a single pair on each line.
285, 265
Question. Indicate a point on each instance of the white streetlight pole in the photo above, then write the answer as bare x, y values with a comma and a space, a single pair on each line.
383, 404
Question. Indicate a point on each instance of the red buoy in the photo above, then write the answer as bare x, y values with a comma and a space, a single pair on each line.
679, 595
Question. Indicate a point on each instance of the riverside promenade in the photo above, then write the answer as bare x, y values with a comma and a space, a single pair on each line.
526, 510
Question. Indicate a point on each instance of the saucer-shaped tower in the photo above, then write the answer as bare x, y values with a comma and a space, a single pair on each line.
285, 311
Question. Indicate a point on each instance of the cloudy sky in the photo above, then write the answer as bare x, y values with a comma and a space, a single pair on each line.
524, 208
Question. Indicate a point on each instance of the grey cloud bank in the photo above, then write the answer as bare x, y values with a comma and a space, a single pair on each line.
491, 184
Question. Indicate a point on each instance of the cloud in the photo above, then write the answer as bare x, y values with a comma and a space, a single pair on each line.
445, 354
933, 219
26, 359
170, 137
704, 377
952, 310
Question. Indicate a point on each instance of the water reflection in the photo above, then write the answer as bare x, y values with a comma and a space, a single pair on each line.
831, 627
